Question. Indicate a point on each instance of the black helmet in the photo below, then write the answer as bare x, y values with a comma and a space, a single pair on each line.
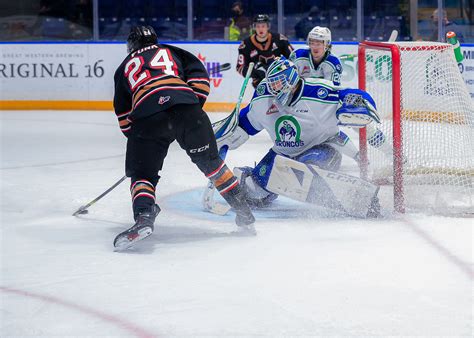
261, 18
141, 36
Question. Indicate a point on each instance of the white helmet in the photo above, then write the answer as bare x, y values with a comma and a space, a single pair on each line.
321, 34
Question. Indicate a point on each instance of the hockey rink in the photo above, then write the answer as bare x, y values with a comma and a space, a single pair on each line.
306, 273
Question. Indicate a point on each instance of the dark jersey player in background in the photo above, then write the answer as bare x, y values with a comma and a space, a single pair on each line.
261, 48
159, 94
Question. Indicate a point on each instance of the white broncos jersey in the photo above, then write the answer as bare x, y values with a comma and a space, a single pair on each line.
309, 120
330, 68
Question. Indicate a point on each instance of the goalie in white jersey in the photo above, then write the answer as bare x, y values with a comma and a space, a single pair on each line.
302, 117
319, 62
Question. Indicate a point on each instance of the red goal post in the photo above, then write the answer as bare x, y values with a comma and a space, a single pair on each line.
397, 140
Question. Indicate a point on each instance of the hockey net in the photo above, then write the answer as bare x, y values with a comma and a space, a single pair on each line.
427, 119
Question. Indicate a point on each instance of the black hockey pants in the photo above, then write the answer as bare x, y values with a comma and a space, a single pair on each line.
148, 144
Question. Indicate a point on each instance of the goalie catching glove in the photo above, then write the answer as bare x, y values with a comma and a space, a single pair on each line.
358, 109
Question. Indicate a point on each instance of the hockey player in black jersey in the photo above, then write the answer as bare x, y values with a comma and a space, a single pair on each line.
159, 94
261, 48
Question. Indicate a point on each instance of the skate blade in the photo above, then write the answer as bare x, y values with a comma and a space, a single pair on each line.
247, 230
126, 241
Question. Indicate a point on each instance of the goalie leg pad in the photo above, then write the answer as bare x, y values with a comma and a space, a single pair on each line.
308, 183
323, 155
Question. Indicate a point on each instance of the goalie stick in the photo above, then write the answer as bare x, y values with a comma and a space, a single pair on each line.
226, 126
222, 129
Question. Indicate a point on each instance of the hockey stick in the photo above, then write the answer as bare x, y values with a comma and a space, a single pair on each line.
350, 57
219, 68
227, 125
223, 129
83, 209
393, 36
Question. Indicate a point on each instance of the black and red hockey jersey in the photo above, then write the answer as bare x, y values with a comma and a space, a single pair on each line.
155, 78
262, 54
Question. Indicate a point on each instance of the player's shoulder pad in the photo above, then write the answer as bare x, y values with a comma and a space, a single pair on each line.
334, 61
301, 53
119, 72
178, 51
282, 37
322, 89
245, 43
165, 45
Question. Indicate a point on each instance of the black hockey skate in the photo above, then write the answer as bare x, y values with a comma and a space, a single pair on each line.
144, 226
245, 221
244, 218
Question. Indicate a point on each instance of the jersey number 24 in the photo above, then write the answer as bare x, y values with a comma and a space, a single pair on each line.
161, 60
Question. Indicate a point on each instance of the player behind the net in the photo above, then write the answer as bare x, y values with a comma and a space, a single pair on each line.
302, 116
261, 48
159, 93
318, 61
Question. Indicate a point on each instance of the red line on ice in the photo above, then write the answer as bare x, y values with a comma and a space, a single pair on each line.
131, 328
465, 267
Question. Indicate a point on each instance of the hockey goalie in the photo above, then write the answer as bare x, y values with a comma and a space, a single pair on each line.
302, 116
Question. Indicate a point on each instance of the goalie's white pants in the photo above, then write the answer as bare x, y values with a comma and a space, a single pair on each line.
309, 183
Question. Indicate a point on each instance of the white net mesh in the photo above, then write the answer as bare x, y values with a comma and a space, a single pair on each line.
437, 127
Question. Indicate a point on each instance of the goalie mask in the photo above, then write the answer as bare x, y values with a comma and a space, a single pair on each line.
282, 77
141, 36
320, 34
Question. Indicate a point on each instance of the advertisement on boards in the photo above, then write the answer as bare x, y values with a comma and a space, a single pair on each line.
83, 72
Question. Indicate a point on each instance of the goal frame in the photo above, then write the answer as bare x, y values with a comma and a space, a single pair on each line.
399, 204
402, 174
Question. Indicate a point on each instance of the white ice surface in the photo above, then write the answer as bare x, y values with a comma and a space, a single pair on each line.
306, 273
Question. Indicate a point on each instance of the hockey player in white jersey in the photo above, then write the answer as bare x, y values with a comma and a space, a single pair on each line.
319, 62
302, 117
